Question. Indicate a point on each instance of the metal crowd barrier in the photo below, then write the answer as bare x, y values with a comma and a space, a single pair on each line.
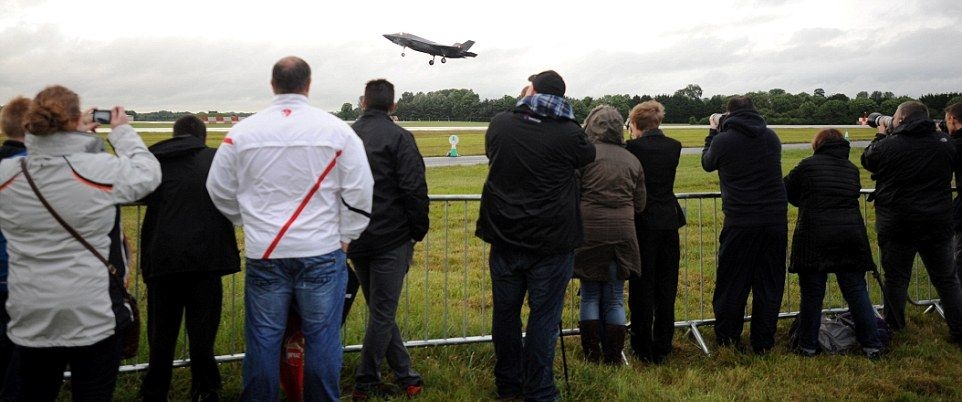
446, 298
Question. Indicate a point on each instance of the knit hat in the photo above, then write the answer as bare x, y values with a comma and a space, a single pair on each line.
548, 82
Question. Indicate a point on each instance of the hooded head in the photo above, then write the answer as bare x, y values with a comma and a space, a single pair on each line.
605, 124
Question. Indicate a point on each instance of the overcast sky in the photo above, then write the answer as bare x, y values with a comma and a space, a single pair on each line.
217, 55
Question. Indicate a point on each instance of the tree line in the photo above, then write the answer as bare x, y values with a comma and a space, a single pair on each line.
685, 106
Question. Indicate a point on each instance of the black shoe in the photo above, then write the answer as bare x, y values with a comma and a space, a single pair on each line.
805, 352
211, 396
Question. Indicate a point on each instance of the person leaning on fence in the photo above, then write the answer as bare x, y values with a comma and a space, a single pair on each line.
187, 245
612, 194
953, 122
11, 124
298, 181
530, 215
830, 237
912, 167
64, 307
751, 254
651, 295
382, 255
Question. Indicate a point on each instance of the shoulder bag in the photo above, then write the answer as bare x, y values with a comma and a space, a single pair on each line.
130, 335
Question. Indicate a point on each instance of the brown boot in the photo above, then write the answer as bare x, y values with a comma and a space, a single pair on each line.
613, 344
591, 340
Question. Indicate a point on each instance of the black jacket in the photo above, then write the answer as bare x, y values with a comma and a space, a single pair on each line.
913, 169
830, 233
659, 158
531, 197
747, 156
183, 232
11, 148
957, 204
400, 210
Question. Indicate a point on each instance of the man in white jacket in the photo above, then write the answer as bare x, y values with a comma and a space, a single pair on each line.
298, 181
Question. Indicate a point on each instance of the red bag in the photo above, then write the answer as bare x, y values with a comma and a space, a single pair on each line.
292, 355
292, 359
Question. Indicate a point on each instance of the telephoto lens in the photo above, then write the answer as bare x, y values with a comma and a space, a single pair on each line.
877, 119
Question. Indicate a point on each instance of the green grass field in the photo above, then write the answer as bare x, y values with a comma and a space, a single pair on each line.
471, 142
447, 295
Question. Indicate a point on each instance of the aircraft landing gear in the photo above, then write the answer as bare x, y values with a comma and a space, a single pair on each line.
431, 62
443, 60
402, 52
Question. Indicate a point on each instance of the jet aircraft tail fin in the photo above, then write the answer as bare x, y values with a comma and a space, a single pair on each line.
464, 46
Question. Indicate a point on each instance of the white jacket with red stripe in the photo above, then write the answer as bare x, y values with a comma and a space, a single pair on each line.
295, 177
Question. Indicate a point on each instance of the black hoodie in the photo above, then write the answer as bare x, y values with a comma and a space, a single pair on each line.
748, 158
183, 231
913, 169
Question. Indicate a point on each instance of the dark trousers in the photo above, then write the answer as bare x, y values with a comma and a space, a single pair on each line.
196, 298
899, 242
524, 367
750, 259
855, 292
93, 371
381, 278
9, 374
651, 297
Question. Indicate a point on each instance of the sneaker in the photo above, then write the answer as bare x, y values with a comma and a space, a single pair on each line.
413, 390
378, 390
874, 354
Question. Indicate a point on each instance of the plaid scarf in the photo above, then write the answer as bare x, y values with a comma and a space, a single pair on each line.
548, 106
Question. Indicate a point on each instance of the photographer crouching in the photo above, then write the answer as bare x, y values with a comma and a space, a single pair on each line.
912, 164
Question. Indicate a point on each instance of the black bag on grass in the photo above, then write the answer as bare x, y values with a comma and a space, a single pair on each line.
836, 335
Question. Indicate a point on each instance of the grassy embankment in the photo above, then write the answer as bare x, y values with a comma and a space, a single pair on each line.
442, 300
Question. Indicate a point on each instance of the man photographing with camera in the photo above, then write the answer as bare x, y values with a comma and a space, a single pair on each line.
752, 246
912, 167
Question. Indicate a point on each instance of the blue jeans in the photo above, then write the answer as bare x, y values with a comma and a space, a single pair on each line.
314, 286
524, 368
604, 299
852, 285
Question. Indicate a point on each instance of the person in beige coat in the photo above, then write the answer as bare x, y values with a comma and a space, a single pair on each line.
612, 193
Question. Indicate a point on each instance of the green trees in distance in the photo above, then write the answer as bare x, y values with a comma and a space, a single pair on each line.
684, 106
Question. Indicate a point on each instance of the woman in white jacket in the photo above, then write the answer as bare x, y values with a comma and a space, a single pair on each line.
64, 308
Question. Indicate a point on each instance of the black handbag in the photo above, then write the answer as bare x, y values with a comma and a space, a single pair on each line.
130, 334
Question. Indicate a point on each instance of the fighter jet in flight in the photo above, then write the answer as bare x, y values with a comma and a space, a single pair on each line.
456, 51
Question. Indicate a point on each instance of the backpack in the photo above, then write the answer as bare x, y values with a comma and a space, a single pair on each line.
836, 335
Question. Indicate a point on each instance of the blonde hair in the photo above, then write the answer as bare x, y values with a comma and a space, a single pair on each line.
647, 115
52, 110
